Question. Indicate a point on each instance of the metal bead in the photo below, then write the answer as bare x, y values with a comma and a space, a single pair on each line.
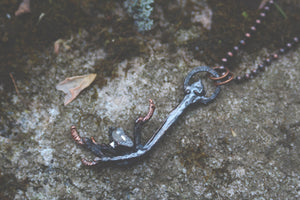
266, 8
267, 61
261, 67
281, 50
253, 28
238, 79
224, 60
247, 76
262, 14
229, 53
296, 39
275, 56
254, 72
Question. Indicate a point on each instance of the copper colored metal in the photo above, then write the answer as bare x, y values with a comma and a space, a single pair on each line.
88, 163
75, 135
93, 140
220, 77
229, 78
227, 75
149, 115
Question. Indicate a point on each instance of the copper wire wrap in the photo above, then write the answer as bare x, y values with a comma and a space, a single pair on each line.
226, 76
150, 113
75, 135
88, 163
93, 140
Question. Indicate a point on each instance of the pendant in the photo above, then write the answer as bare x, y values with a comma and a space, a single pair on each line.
121, 150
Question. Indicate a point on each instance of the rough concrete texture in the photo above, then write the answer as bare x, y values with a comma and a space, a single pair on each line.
244, 145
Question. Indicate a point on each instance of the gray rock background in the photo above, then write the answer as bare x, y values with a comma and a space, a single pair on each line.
244, 145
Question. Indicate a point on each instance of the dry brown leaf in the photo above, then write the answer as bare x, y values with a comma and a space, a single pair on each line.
72, 86
24, 7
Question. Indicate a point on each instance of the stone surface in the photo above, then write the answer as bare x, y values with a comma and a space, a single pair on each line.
244, 145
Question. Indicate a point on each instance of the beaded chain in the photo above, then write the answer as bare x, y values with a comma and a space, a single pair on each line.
228, 76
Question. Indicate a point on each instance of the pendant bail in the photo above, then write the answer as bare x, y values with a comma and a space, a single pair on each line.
197, 87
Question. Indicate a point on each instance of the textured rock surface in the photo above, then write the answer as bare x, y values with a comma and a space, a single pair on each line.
244, 145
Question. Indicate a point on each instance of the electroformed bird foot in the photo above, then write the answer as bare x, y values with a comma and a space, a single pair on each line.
119, 143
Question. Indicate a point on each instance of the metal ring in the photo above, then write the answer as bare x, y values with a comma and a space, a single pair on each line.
220, 77
203, 69
231, 76
228, 76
